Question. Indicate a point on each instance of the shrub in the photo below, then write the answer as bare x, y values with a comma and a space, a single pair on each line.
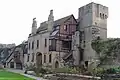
110, 71
39, 71
102, 71
66, 70
73, 70
30, 67
42, 70
98, 71
41, 75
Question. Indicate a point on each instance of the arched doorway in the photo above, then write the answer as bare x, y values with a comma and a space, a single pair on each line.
56, 64
11, 64
39, 59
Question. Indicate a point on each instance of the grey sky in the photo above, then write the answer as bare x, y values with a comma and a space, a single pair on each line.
16, 16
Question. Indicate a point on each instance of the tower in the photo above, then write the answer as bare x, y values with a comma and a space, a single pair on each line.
93, 23
34, 26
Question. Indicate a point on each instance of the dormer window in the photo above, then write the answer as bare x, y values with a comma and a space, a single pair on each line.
65, 27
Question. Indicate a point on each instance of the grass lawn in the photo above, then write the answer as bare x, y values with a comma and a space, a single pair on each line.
5, 75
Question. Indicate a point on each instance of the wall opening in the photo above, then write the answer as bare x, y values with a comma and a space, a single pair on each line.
56, 64
39, 59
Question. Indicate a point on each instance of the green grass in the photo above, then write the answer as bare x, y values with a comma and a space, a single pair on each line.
5, 75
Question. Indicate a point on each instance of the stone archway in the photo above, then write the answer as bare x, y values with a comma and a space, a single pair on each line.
39, 59
56, 64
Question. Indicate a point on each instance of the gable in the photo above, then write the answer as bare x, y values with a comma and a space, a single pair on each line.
43, 25
71, 20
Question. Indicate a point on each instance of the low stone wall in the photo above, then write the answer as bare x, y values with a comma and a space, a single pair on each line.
66, 76
77, 75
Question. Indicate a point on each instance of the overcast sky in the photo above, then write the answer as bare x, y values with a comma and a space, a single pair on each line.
16, 16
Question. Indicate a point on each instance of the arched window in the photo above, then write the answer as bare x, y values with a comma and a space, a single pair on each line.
98, 38
56, 64
103, 16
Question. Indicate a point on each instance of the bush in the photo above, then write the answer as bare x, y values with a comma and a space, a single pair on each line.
41, 75
66, 70
102, 71
42, 70
31, 67
39, 71
98, 71
73, 70
110, 71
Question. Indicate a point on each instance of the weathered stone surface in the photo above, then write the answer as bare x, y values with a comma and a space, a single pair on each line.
31, 72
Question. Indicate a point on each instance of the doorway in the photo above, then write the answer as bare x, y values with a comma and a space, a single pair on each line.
39, 59
11, 64
56, 64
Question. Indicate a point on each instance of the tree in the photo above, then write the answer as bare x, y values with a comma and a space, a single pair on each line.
108, 51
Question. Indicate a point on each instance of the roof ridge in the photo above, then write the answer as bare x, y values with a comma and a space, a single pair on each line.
43, 25
64, 17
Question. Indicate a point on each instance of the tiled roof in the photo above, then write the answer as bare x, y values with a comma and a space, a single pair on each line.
62, 20
44, 25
